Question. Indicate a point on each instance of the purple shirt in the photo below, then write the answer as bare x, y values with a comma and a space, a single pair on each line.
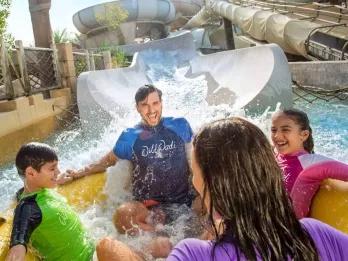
330, 243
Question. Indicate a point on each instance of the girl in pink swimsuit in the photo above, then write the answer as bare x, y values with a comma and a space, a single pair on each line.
303, 170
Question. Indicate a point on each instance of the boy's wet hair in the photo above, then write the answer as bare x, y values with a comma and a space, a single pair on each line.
301, 118
144, 91
34, 155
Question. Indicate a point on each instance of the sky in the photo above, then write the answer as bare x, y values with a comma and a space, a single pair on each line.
61, 12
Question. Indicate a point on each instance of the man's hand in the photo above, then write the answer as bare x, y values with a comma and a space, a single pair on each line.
16, 253
64, 178
69, 175
76, 174
100, 166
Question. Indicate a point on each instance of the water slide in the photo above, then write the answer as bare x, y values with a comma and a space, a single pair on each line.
252, 79
265, 25
143, 16
139, 10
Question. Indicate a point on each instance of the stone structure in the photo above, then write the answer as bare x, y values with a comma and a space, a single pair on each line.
324, 74
66, 66
30, 118
40, 19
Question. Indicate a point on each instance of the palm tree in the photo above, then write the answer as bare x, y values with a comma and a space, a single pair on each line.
60, 36
40, 19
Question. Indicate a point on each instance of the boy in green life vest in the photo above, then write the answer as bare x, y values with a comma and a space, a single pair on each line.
44, 219
42, 216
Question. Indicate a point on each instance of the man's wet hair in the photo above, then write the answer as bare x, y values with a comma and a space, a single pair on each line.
34, 155
144, 91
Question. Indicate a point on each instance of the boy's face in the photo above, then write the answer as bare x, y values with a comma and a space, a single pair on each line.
46, 177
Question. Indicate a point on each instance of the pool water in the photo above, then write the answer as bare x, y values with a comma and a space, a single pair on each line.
181, 97
329, 122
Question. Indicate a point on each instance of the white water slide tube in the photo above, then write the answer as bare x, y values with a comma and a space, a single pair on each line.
138, 10
289, 34
164, 11
251, 78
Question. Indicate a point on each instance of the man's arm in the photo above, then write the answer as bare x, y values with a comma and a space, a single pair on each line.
101, 165
16, 253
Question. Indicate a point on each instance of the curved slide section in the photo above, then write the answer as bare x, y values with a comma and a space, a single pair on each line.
251, 78
138, 10
262, 25
187, 7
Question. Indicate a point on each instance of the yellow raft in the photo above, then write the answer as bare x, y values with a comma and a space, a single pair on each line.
80, 194
330, 204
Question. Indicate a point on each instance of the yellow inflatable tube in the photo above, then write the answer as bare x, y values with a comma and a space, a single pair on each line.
330, 204
80, 194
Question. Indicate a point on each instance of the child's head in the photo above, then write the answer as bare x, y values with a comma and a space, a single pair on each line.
38, 164
232, 163
237, 176
291, 132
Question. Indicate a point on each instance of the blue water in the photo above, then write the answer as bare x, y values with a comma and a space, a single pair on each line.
329, 122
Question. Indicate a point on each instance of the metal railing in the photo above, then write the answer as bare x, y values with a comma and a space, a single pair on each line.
27, 70
85, 60
316, 49
42, 74
99, 62
314, 11
312, 94
329, 17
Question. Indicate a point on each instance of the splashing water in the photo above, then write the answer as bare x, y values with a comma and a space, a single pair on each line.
182, 97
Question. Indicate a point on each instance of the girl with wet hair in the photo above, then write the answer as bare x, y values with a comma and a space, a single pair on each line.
235, 173
303, 171
292, 138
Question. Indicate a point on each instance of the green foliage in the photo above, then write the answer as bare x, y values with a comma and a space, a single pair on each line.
80, 65
114, 15
119, 58
9, 40
61, 36
4, 13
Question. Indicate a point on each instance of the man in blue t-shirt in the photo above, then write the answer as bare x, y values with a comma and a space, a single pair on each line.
156, 148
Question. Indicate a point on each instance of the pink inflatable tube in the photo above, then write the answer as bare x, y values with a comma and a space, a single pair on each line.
309, 180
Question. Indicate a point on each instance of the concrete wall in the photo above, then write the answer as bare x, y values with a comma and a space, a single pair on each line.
325, 74
67, 67
29, 118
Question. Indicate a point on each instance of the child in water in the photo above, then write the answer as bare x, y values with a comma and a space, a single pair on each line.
236, 175
43, 218
292, 139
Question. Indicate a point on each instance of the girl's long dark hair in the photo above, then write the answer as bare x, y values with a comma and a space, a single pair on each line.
244, 184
